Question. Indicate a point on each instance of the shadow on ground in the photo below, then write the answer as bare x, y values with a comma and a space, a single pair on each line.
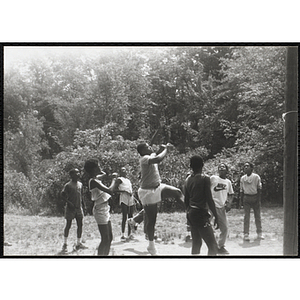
245, 244
136, 251
186, 244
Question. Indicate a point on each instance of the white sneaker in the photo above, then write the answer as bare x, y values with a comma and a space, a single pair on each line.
131, 237
131, 223
246, 238
152, 250
260, 236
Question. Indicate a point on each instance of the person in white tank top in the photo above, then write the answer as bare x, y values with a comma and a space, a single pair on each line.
100, 194
124, 187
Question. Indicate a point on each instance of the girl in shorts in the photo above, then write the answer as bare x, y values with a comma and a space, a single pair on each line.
100, 194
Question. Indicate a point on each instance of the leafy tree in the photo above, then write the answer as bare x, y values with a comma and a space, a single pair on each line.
22, 149
257, 77
222, 102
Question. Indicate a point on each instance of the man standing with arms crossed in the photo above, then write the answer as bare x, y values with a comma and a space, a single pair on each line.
222, 193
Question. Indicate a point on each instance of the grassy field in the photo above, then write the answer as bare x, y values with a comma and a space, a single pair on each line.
43, 236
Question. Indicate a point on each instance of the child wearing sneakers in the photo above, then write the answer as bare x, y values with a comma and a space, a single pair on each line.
222, 193
100, 194
124, 187
198, 199
151, 189
250, 188
72, 195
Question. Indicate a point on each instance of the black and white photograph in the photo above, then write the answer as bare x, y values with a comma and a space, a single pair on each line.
204, 91
150, 150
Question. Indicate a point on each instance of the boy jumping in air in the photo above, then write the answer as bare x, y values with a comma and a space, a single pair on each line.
151, 189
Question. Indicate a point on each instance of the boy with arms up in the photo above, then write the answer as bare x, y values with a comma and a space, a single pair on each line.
151, 189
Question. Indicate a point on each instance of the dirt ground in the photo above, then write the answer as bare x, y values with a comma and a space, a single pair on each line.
270, 246
43, 236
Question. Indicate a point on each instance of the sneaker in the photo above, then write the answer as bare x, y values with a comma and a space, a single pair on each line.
222, 250
246, 238
64, 248
123, 238
131, 237
188, 239
132, 224
152, 250
80, 246
260, 236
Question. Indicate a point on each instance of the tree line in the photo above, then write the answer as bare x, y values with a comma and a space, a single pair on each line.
224, 103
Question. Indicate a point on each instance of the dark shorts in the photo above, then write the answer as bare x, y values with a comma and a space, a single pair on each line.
71, 214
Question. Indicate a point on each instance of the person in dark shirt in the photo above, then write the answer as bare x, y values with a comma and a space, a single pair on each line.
198, 199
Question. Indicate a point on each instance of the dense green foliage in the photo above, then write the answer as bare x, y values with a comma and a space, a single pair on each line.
224, 103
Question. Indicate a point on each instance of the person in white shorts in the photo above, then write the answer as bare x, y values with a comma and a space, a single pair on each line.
124, 187
100, 194
151, 189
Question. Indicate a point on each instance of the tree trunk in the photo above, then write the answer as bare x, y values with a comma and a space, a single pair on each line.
290, 181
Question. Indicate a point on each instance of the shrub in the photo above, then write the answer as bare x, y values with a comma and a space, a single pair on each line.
19, 194
42, 192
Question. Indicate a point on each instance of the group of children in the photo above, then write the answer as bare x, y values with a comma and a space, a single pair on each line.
201, 196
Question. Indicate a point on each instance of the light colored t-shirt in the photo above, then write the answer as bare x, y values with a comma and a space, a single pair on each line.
101, 206
97, 195
150, 177
250, 184
220, 188
126, 187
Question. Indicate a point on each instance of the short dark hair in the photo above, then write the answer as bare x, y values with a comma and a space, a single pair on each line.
250, 164
196, 163
90, 164
73, 171
223, 165
140, 147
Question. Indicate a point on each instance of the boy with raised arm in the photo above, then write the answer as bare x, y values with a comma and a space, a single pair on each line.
151, 189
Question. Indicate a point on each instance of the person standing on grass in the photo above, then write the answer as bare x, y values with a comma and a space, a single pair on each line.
100, 194
72, 195
250, 188
198, 199
222, 194
151, 189
124, 187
